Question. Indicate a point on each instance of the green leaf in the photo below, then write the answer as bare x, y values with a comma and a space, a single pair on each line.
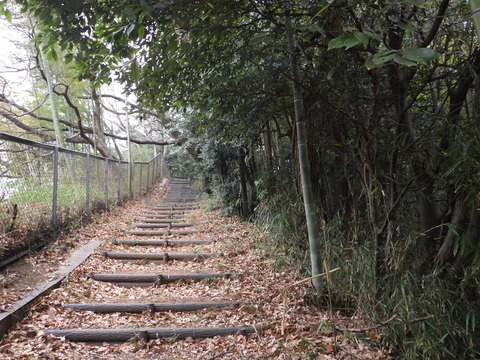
344, 40
362, 38
141, 32
384, 56
8, 15
135, 71
420, 55
379, 59
406, 26
145, 6
52, 55
403, 61
68, 58
369, 64
372, 35
4, 11
129, 14
349, 43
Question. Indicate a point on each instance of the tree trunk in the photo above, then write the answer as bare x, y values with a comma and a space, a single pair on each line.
307, 189
243, 184
100, 141
51, 97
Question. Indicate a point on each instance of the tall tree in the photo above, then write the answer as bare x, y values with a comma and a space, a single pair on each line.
307, 190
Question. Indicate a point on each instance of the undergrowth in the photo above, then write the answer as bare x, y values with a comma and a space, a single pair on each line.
434, 318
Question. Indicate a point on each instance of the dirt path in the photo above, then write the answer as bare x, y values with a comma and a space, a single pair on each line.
255, 283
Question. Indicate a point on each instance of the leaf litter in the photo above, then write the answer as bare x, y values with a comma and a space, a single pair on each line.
255, 282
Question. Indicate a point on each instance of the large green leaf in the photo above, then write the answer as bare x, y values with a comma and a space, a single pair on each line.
403, 61
344, 40
420, 55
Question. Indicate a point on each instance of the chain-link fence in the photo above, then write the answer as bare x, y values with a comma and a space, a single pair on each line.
44, 189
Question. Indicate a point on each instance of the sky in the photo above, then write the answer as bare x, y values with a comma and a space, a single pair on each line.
11, 59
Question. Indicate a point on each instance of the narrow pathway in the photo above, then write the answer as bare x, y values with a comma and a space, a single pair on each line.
169, 215
213, 291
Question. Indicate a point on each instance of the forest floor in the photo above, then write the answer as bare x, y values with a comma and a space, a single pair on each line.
257, 282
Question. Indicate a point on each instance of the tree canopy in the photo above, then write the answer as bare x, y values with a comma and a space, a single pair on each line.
390, 95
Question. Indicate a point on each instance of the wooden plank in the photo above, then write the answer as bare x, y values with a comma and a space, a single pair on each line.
157, 242
151, 307
162, 232
166, 212
145, 334
155, 278
157, 256
160, 221
174, 207
21, 307
157, 216
178, 203
164, 225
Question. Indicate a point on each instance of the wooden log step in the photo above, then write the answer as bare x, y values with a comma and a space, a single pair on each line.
145, 334
181, 197
177, 203
157, 242
160, 216
156, 256
164, 225
170, 200
161, 232
152, 307
157, 279
171, 208
167, 212
161, 221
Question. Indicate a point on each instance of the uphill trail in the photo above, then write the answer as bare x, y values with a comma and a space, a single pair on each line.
169, 280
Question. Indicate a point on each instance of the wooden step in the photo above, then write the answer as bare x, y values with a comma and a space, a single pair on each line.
177, 203
160, 242
150, 225
160, 216
174, 207
166, 212
164, 257
157, 279
160, 221
151, 307
162, 232
145, 334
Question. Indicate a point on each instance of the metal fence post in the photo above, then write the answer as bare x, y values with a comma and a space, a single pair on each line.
148, 175
55, 187
119, 169
87, 186
106, 183
140, 182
